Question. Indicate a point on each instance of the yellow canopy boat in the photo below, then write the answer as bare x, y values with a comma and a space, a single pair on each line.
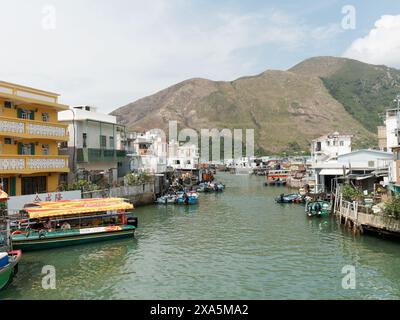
74, 207
70, 222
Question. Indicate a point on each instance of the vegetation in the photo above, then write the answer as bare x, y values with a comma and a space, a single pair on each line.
392, 207
134, 179
83, 185
364, 90
350, 193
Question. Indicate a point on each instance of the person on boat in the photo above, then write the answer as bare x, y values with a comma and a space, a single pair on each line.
186, 197
318, 208
66, 226
281, 196
48, 225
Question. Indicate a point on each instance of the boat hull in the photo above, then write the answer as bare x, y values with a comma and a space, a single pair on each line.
7, 273
33, 244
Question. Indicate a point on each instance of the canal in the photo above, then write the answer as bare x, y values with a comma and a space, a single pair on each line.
235, 245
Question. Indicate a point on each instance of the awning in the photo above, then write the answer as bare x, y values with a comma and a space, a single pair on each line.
332, 172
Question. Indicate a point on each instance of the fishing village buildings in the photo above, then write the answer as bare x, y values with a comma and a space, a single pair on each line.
29, 136
96, 144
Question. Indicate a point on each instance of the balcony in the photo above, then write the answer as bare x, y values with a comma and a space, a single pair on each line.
99, 155
28, 164
30, 129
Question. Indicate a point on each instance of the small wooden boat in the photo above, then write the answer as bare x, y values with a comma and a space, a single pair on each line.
211, 187
318, 208
290, 198
166, 199
45, 225
189, 198
8, 266
277, 177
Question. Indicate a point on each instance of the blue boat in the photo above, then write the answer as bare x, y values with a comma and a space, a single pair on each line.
189, 198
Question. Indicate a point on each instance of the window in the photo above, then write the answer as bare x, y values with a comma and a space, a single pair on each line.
103, 141
8, 104
111, 142
7, 141
371, 163
64, 145
32, 185
45, 117
341, 143
84, 143
45, 149
328, 143
26, 148
26, 114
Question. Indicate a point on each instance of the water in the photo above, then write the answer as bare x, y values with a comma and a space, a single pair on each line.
235, 245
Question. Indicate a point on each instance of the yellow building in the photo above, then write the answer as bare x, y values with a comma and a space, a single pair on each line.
29, 138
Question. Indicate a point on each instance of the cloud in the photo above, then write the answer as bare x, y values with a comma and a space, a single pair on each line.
381, 45
108, 54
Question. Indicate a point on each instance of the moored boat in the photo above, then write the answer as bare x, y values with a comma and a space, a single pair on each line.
187, 198
8, 266
45, 225
277, 177
318, 208
166, 199
290, 198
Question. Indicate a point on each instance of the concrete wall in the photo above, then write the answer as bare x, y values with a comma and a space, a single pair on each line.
139, 195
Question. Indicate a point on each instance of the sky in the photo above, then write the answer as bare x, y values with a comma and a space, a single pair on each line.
109, 53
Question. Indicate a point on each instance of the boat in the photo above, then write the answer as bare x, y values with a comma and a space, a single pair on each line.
166, 199
318, 208
8, 266
9, 258
211, 187
187, 198
277, 177
290, 198
46, 225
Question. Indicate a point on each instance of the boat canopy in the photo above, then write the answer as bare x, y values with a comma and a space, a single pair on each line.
3, 196
74, 207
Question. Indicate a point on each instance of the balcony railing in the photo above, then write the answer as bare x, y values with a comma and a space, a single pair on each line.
33, 164
99, 155
24, 128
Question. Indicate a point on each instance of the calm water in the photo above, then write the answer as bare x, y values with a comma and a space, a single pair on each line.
235, 245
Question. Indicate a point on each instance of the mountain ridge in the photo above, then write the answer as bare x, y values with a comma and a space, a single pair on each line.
286, 108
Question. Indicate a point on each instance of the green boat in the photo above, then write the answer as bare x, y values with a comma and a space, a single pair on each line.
42, 240
48, 225
318, 208
9, 270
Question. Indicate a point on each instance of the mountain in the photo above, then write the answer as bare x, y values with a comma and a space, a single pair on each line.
364, 90
287, 109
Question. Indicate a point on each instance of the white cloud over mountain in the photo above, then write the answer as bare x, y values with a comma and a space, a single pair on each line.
381, 45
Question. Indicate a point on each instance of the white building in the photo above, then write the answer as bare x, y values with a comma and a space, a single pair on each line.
330, 146
148, 151
392, 127
363, 163
97, 143
183, 157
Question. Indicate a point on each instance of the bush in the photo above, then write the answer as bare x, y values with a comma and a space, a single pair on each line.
350, 193
79, 185
134, 179
392, 207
